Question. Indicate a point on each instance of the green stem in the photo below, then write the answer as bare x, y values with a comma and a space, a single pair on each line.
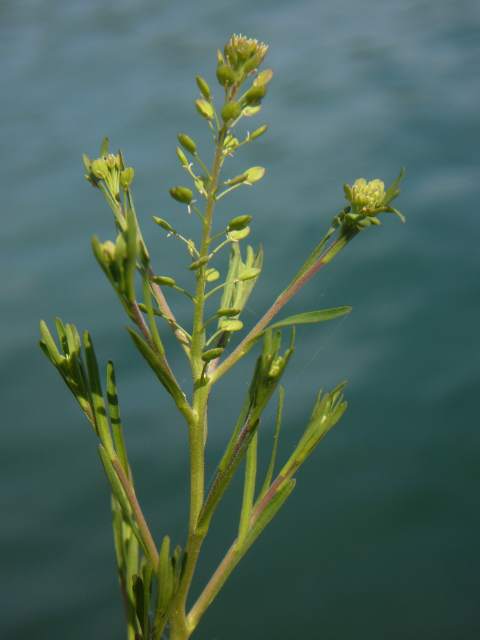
198, 425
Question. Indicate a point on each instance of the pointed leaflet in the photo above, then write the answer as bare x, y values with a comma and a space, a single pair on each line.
393, 190
147, 296
278, 421
156, 363
165, 587
311, 317
115, 419
248, 488
266, 515
96, 393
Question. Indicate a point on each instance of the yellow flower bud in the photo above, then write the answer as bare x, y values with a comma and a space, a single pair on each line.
187, 143
205, 109
204, 88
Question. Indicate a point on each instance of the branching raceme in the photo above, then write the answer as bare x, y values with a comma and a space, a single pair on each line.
155, 579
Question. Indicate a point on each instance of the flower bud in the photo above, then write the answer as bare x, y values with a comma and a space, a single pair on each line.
126, 177
204, 88
181, 194
164, 224
187, 143
365, 195
225, 75
211, 275
258, 132
100, 169
228, 312
254, 174
212, 354
205, 109
231, 111
182, 157
165, 281
231, 325
255, 94
239, 222
113, 162
263, 78
108, 250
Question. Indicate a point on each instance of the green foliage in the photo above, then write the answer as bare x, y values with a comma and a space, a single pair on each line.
155, 582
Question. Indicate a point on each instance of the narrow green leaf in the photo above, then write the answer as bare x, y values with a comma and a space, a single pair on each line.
165, 585
115, 419
132, 572
147, 575
98, 403
117, 524
139, 600
155, 362
276, 435
104, 146
394, 189
226, 470
51, 348
147, 296
248, 488
115, 484
311, 317
131, 255
268, 513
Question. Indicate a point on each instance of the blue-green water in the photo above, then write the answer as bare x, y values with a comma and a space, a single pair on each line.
381, 538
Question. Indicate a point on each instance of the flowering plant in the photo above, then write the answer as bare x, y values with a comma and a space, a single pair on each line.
155, 579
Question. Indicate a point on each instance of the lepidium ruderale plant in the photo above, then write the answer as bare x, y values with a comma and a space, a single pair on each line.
155, 576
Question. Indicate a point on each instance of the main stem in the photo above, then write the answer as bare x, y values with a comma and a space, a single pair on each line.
197, 427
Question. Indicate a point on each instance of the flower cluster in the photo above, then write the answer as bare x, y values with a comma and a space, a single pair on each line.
109, 169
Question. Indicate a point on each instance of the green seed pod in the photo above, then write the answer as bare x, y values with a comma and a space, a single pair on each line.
204, 88
165, 281
187, 143
255, 94
181, 194
231, 325
258, 132
230, 111
198, 263
211, 275
228, 312
212, 354
164, 224
249, 274
225, 75
182, 157
240, 222
205, 109
126, 178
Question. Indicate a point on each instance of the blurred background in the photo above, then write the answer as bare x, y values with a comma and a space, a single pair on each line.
381, 537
